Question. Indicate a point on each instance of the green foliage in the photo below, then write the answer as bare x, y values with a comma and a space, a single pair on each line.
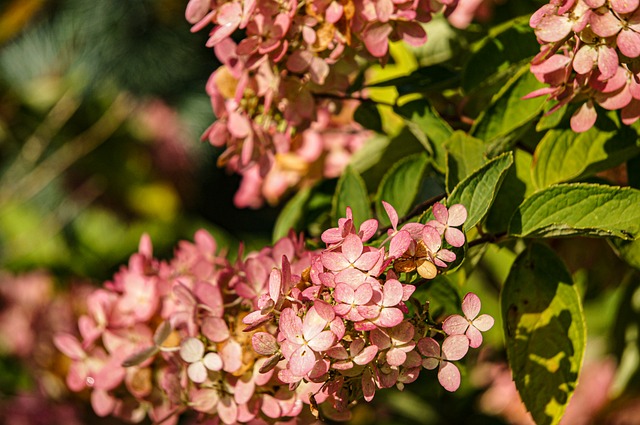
545, 333
508, 111
579, 209
429, 128
465, 154
478, 191
400, 186
563, 155
351, 192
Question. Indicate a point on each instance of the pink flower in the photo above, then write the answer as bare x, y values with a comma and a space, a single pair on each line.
305, 339
446, 221
192, 351
453, 348
471, 324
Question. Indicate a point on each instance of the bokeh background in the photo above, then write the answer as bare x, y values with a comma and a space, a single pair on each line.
102, 105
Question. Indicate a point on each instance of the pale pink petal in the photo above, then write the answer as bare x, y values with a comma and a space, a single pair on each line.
231, 355
275, 284
197, 372
363, 294
474, 336
313, 324
212, 361
334, 12
454, 237
244, 389
215, 328
384, 9
554, 63
607, 61
624, 6
553, 28
585, 60
455, 325
291, 326
319, 70
399, 244
302, 361
389, 317
605, 24
455, 347
69, 346
344, 293
366, 356
392, 293
432, 239
629, 43
334, 261
323, 341
375, 37
449, 376
441, 213
395, 357
227, 410
594, 4
352, 248
584, 117
471, 305
192, 350
457, 215
391, 212
102, 402
484, 322
367, 260
368, 229
615, 100
196, 10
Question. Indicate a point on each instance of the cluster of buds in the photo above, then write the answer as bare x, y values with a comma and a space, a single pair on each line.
295, 59
589, 54
257, 339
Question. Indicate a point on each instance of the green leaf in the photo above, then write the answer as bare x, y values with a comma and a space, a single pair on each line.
625, 339
579, 209
428, 127
564, 155
508, 111
368, 115
515, 188
629, 251
425, 79
465, 154
504, 49
442, 295
292, 215
545, 332
478, 191
400, 186
351, 192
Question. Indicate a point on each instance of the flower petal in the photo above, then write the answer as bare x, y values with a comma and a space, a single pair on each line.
449, 376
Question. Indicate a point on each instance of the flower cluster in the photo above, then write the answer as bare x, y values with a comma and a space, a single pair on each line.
589, 54
258, 338
295, 60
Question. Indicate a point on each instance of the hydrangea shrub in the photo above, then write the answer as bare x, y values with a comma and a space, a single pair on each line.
530, 138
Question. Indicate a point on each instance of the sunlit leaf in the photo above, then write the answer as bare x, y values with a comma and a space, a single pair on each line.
544, 331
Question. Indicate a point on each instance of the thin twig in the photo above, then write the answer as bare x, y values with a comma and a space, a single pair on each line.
35, 145
487, 238
55, 164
